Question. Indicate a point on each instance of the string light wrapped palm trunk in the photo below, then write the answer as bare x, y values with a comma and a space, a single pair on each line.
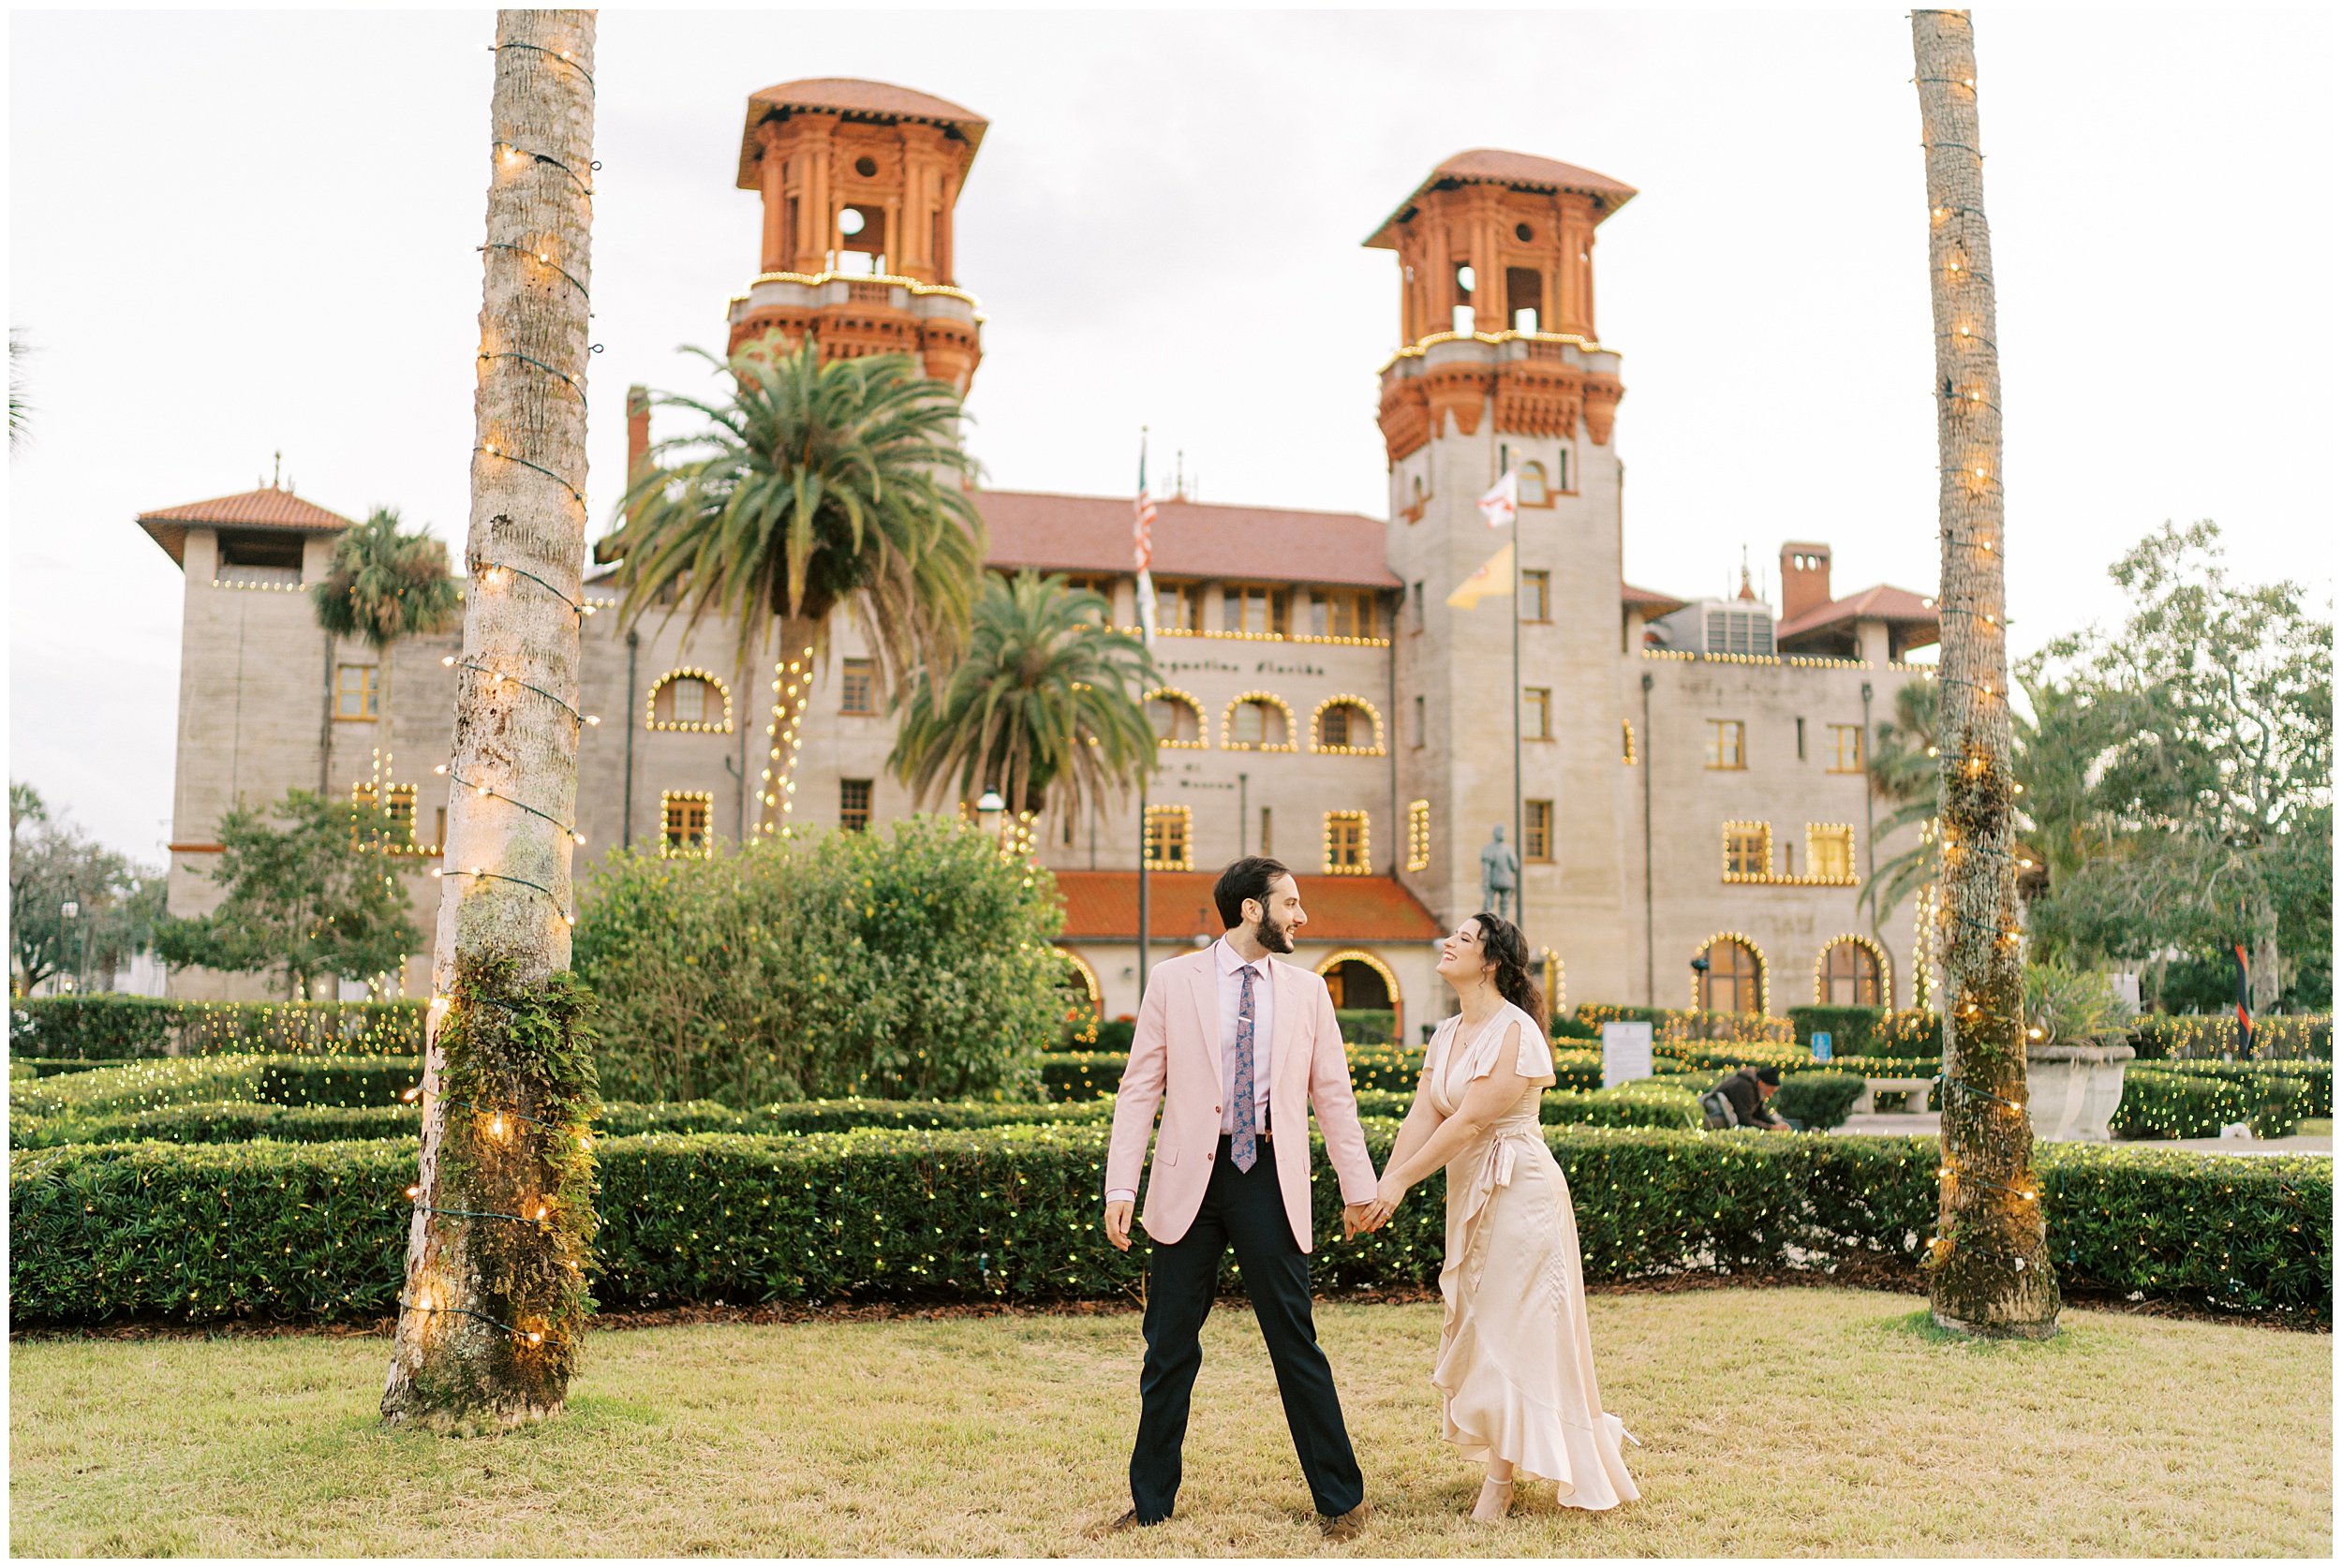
1988, 1264
494, 1300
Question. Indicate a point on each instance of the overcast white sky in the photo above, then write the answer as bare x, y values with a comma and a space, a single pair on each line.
232, 233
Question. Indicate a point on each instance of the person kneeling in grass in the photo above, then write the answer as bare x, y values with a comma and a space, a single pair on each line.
1744, 1095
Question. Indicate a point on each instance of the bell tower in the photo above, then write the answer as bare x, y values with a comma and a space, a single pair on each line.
858, 181
1500, 369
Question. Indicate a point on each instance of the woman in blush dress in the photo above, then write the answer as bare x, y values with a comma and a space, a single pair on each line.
1516, 1360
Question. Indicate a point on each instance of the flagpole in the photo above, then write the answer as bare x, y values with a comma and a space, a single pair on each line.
1143, 586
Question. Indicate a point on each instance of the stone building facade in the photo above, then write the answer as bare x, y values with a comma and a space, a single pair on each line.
1690, 772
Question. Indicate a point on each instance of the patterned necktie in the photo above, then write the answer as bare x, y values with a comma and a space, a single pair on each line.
1241, 1143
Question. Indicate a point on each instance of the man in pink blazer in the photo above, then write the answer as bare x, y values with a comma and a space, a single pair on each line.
1237, 1049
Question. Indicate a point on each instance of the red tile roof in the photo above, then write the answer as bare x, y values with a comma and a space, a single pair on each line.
848, 95
1658, 602
254, 508
1881, 603
1491, 166
1092, 533
1104, 906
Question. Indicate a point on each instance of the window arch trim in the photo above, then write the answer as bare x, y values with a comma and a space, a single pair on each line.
1878, 956
1227, 723
1341, 698
650, 703
1202, 726
1764, 970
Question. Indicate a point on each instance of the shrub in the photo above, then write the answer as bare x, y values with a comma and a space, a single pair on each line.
2158, 1102
1732, 1056
318, 1231
1568, 1026
114, 1027
1114, 1036
914, 963
2285, 1036
1365, 1026
1817, 1100
1872, 1031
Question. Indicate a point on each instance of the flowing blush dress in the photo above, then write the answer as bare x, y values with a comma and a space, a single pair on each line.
1515, 1359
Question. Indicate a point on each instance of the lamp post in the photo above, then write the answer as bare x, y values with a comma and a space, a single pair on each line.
989, 809
70, 912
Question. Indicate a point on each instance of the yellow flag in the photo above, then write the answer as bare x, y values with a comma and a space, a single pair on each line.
1495, 576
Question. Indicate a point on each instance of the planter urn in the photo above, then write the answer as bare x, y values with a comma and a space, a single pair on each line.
2072, 1091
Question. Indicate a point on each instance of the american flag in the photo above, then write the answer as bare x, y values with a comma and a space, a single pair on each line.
1143, 529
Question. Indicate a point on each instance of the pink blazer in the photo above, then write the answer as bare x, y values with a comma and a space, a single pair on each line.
1175, 1064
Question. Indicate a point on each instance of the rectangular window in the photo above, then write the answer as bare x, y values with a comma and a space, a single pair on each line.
1536, 713
1747, 851
1342, 612
401, 807
1266, 835
1415, 597
1168, 847
1537, 595
1418, 834
1725, 748
1845, 748
1536, 830
1560, 469
1830, 851
853, 804
858, 692
1345, 843
1418, 721
1800, 740
1255, 610
1179, 607
355, 689
683, 817
690, 700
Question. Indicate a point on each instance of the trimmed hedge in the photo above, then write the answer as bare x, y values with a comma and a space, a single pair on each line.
229, 1121
276, 1080
1685, 1024
2160, 1036
1900, 1033
113, 1027
2158, 1102
1365, 1026
2317, 1077
309, 1231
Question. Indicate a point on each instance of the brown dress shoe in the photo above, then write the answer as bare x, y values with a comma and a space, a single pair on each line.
1345, 1526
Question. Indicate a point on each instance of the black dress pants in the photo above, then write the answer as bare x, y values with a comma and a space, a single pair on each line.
1246, 1210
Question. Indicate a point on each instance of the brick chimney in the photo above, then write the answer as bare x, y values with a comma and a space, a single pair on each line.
637, 432
1805, 579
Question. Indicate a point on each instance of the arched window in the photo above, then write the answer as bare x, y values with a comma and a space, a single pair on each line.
1257, 721
1533, 491
1849, 975
1346, 724
689, 699
1735, 978
1178, 719
1358, 981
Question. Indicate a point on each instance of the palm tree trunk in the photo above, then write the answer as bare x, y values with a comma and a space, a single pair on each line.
791, 693
1988, 1267
494, 1302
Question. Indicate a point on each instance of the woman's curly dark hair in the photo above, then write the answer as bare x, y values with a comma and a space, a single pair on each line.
1502, 942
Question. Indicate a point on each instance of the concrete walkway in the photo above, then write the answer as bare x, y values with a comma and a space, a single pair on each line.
1930, 1124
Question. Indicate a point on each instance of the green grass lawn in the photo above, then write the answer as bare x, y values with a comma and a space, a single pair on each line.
2127, 1435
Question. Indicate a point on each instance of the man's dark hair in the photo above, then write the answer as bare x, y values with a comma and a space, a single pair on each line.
1769, 1076
1248, 878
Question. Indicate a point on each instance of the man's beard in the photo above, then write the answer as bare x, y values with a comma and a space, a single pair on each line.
1275, 938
